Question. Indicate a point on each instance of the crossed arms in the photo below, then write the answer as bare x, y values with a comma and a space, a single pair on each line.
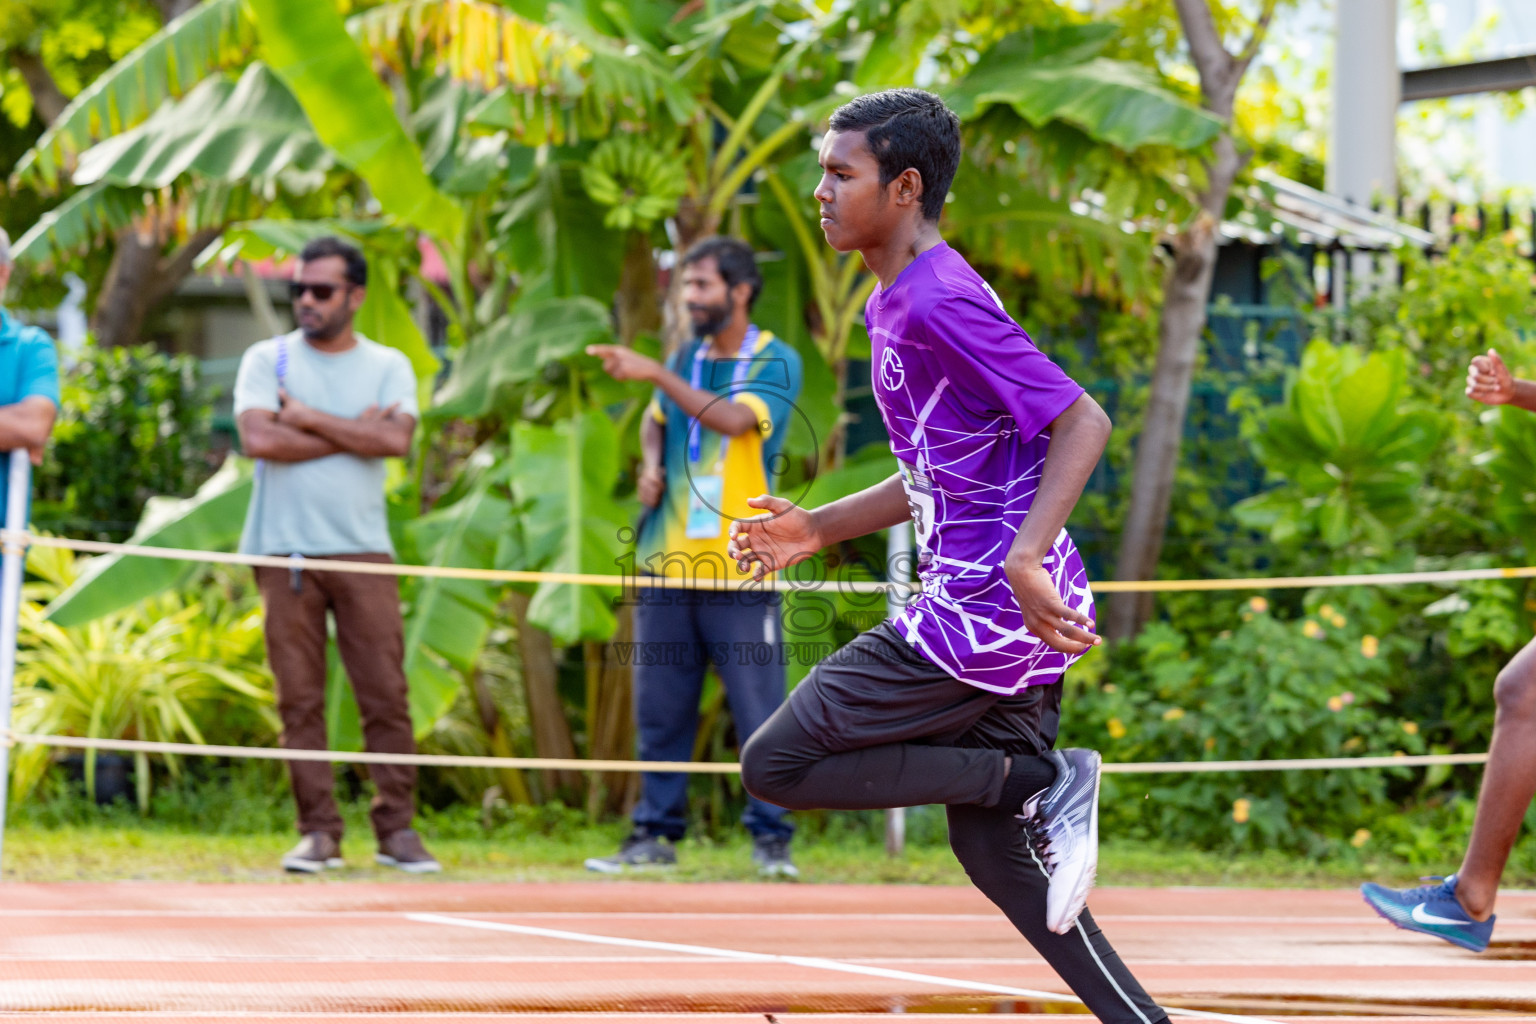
298, 433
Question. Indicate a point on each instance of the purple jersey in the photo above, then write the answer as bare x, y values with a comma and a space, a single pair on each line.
966, 398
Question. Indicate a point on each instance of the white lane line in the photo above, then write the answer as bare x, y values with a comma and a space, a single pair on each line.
814, 962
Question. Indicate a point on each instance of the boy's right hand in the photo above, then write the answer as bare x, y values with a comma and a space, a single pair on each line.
782, 537
1489, 380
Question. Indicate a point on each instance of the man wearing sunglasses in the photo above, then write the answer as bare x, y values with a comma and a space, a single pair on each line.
321, 408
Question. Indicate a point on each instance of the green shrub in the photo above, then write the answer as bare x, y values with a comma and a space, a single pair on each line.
1264, 687
185, 666
135, 423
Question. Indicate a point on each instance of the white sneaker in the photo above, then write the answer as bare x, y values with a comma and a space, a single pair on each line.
1061, 823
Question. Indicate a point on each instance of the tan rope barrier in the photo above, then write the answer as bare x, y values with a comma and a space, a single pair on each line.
8, 537
368, 757
697, 767
1384, 579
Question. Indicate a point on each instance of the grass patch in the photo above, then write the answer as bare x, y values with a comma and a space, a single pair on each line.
232, 822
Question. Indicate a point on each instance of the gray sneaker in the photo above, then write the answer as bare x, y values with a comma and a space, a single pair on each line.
639, 850
315, 852
1061, 823
405, 850
771, 855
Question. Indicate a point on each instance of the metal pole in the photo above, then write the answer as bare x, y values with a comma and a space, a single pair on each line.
18, 493
898, 569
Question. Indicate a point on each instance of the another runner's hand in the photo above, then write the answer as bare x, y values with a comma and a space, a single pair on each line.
783, 536
1046, 614
1489, 380
622, 363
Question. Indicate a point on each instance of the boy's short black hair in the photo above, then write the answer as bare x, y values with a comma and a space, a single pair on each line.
357, 265
734, 259
907, 128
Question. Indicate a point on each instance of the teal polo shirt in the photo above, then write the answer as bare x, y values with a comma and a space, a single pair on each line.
29, 365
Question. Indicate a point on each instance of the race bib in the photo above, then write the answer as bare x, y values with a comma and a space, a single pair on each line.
919, 490
706, 494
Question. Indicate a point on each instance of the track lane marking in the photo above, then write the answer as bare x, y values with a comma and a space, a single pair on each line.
813, 962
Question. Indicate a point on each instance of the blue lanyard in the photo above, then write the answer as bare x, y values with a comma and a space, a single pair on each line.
738, 375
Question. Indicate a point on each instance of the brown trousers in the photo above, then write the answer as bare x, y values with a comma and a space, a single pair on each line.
370, 638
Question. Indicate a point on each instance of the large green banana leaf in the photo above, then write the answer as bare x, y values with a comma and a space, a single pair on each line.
1055, 74
78, 222
563, 478
1003, 221
307, 44
210, 520
551, 230
227, 131
516, 349
212, 35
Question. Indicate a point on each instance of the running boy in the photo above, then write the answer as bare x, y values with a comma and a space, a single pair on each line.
956, 700
1460, 908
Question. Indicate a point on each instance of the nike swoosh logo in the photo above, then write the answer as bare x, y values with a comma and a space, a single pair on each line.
1422, 917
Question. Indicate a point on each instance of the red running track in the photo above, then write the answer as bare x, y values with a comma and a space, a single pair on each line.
443, 951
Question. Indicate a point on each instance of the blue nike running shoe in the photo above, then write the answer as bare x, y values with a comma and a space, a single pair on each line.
1431, 909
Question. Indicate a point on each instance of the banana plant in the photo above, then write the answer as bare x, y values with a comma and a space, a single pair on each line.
208, 521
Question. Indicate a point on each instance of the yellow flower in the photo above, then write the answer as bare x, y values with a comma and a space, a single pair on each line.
1258, 604
1173, 714
1354, 743
1339, 621
1240, 809
1369, 645
1311, 630
1335, 703
1116, 728
1411, 728
1325, 612
1210, 743
1360, 838
1109, 688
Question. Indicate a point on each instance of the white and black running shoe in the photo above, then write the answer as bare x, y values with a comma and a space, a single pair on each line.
1061, 823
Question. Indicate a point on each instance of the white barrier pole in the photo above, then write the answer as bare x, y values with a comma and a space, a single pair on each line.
17, 497
898, 569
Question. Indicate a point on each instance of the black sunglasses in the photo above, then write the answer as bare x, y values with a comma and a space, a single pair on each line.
323, 292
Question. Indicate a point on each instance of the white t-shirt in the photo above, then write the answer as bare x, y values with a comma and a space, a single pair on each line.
332, 505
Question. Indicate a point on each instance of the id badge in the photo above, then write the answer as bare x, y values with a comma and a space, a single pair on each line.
705, 496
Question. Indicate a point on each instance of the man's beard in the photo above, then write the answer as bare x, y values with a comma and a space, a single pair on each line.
326, 329
715, 320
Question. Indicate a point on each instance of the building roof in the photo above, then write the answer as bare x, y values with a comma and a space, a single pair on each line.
1278, 207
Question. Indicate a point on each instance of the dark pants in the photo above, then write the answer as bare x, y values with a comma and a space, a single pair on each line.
370, 638
678, 635
878, 725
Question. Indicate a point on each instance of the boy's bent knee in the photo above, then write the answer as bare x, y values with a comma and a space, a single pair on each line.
756, 758
773, 764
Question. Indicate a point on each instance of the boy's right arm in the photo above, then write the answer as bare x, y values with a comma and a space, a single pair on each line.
788, 534
1490, 382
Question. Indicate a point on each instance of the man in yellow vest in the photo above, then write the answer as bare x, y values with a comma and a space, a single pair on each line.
711, 439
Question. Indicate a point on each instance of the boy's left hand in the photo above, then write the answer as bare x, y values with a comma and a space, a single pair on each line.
1046, 614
